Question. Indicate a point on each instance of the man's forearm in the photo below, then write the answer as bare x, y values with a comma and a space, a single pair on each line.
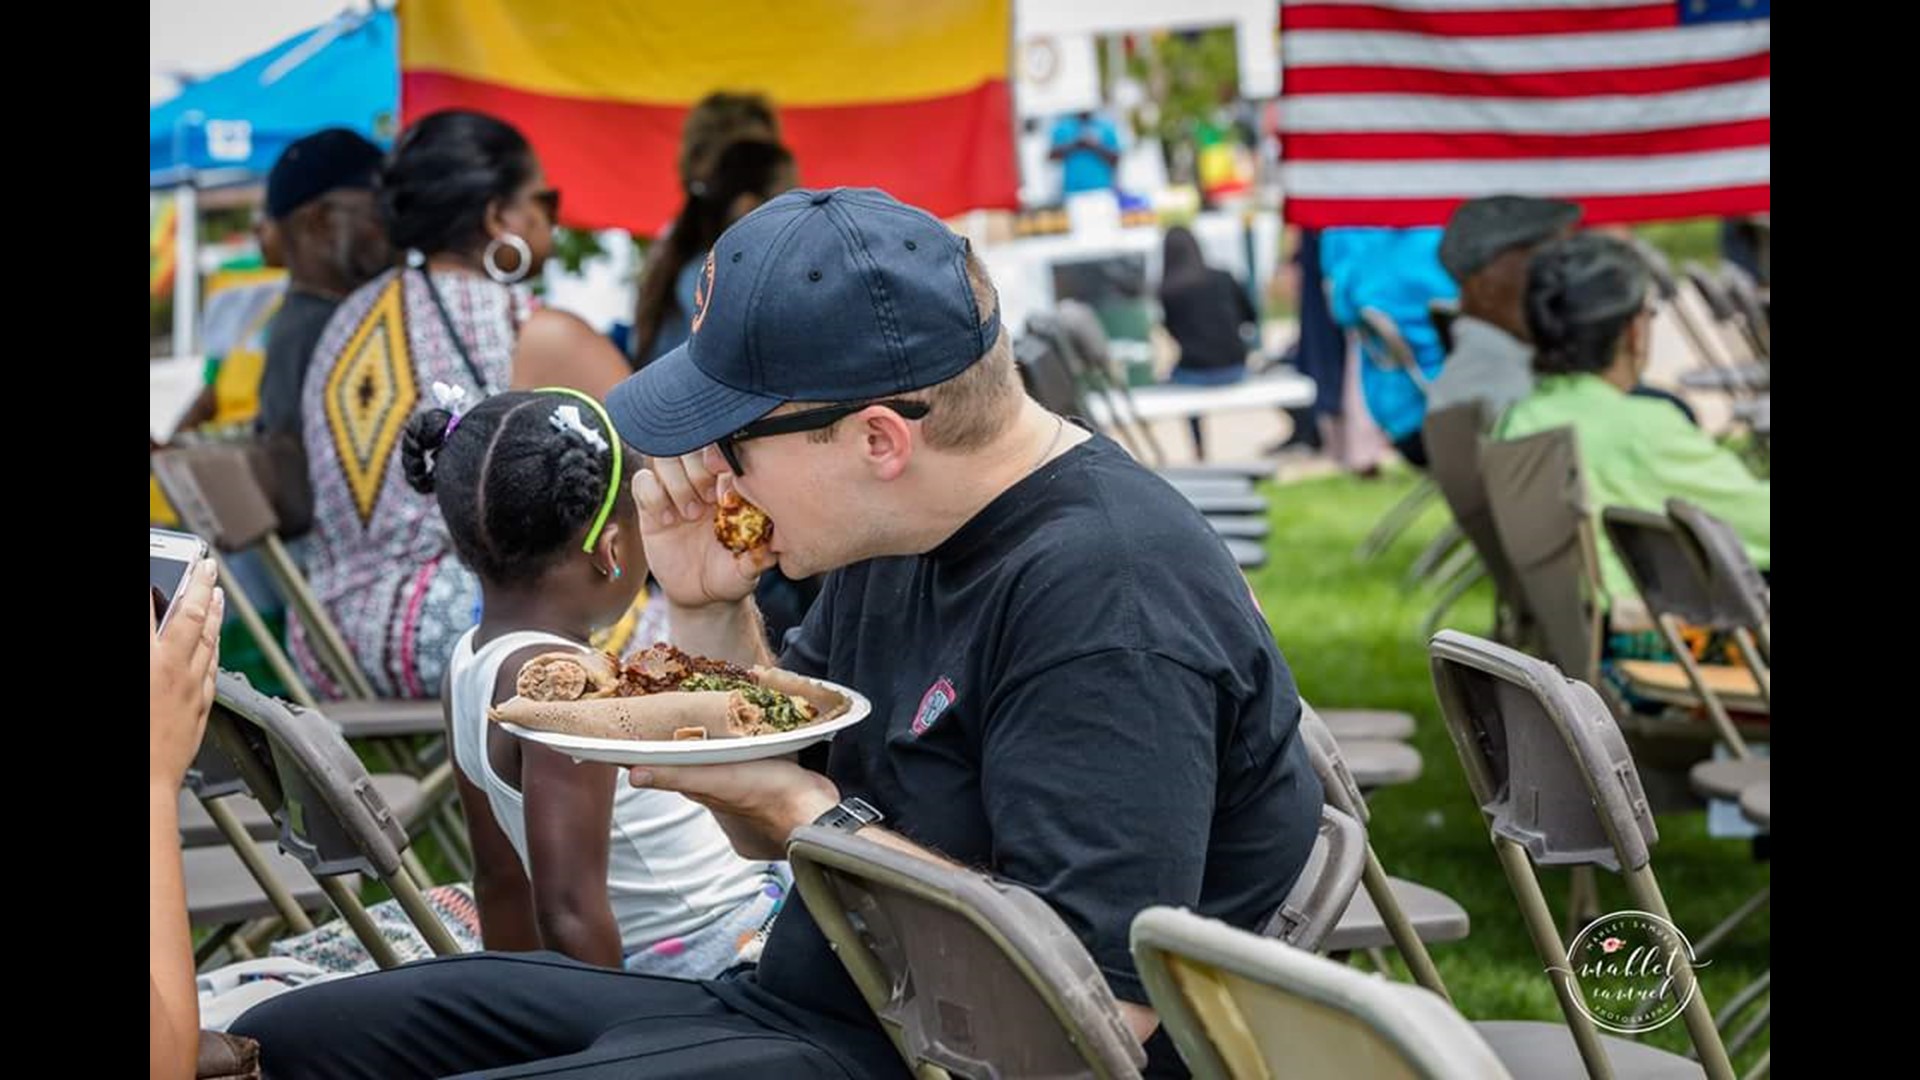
730, 632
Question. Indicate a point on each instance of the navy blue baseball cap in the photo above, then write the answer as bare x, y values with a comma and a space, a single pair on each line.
324, 161
832, 296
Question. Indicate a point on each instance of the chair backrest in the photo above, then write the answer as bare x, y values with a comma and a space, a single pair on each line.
1543, 754
220, 497
1323, 890
1453, 436
1248, 1008
967, 974
1711, 290
1744, 293
331, 816
1342, 791
1670, 578
1738, 589
1044, 370
215, 491
1538, 501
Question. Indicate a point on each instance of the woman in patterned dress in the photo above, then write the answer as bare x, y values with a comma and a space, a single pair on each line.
466, 200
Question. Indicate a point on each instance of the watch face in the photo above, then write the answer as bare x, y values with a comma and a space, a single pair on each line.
861, 810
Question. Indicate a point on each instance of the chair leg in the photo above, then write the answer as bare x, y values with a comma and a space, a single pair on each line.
1715, 936
1396, 520
1746, 1034
1455, 589
1437, 554
1747, 996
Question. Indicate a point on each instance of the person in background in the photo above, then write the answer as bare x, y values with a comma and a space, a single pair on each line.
1087, 146
1486, 248
1589, 312
1396, 272
1208, 314
661, 312
465, 199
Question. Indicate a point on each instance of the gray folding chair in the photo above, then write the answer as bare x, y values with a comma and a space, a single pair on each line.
969, 977
1552, 773
215, 491
330, 814
1242, 1007
1387, 911
1539, 504
1678, 594
1453, 437
973, 977
1672, 565
1085, 346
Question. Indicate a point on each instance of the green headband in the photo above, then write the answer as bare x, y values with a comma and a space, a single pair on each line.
613, 482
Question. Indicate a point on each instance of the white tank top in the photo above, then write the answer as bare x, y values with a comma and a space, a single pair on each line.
670, 869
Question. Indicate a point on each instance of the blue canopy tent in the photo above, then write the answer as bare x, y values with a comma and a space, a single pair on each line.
343, 73
230, 128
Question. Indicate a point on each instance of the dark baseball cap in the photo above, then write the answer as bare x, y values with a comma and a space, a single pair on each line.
837, 295
315, 164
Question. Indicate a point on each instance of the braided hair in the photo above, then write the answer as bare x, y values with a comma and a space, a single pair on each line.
514, 489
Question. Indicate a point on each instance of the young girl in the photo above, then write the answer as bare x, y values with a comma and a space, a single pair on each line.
568, 856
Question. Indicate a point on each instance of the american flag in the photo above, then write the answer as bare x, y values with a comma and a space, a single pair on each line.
1394, 111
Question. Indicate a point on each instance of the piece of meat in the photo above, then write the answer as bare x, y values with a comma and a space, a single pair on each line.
739, 525
661, 667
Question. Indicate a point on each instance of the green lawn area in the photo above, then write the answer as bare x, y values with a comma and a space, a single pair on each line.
1350, 634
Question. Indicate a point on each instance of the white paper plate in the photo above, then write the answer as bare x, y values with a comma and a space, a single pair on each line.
701, 751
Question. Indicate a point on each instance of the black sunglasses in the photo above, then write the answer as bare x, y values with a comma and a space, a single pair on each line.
809, 420
548, 200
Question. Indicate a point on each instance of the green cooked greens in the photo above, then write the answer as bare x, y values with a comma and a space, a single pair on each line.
778, 711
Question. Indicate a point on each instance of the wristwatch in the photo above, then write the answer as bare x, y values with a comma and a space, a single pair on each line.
853, 814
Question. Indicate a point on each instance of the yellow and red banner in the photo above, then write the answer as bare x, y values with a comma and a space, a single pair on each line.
906, 95
163, 225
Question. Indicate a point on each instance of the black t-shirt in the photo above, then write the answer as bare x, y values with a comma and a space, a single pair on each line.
291, 339
1205, 317
1076, 693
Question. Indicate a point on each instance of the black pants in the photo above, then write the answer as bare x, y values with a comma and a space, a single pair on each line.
497, 1015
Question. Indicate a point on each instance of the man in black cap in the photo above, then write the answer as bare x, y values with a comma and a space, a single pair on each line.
322, 215
1485, 248
321, 204
1072, 686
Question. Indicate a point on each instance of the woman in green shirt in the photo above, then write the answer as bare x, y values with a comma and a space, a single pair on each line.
1588, 310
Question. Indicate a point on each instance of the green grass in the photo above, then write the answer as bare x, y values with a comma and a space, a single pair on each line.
1350, 635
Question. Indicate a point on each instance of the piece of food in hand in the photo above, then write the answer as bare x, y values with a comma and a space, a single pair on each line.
664, 694
568, 676
739, 525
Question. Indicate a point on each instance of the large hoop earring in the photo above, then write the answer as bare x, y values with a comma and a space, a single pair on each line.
492, 264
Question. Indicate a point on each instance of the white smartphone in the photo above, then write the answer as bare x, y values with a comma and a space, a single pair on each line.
171, 559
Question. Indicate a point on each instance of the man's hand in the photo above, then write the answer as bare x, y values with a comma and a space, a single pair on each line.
758, 803
677, 498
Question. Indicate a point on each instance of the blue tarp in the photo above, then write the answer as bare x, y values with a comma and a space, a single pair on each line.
344, 73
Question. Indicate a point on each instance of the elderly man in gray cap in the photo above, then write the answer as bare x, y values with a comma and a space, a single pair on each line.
1486, 248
